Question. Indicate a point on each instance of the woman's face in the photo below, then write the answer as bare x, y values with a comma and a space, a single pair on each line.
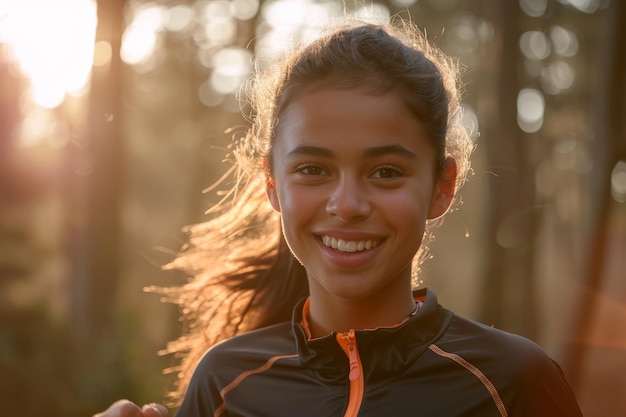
354, 180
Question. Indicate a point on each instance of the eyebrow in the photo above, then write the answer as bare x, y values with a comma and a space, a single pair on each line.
307, 150
389, 150
374, 152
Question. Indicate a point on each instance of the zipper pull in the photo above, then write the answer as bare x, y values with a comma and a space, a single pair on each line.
355, 370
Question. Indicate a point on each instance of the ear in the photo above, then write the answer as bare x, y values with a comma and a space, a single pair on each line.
444, 190
270, 189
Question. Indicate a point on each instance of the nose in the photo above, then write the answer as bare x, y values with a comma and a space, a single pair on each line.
348, 200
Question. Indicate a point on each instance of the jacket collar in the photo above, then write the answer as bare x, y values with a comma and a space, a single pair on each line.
384, 352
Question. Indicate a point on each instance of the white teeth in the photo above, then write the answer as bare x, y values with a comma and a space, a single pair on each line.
348, 246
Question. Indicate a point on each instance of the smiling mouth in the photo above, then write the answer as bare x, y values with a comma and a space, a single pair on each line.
348, 246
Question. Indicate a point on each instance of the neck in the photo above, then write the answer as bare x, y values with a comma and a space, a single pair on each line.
341, 315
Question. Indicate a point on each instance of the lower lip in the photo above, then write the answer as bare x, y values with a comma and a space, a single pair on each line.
350, 260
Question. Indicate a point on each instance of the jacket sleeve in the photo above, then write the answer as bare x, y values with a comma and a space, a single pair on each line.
202, 397
544, 392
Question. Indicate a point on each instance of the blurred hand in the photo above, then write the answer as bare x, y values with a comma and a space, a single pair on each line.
125, 408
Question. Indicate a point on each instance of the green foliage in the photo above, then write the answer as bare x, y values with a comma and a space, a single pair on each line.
47, 369
30, 382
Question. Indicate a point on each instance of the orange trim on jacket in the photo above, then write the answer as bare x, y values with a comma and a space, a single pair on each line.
267, 365
436, 361
477, 373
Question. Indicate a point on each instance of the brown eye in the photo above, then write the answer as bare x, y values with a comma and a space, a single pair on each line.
311, 170
387, 172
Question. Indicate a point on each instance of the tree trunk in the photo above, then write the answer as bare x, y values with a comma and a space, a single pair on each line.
97, 184
508, 286
609, 148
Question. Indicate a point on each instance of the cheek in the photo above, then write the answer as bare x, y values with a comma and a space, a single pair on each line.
297, 205
411, 207
410, 227
407, 215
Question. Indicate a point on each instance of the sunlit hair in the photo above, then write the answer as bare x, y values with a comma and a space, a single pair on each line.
243, 275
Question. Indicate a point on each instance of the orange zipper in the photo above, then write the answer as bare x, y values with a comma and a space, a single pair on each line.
347, 341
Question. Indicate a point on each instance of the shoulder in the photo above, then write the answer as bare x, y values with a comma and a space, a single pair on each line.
505, 357
466, 334
526, 378
230, 361
247, 351
268, 341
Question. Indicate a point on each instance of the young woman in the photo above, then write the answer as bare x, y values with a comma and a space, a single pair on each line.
355, 148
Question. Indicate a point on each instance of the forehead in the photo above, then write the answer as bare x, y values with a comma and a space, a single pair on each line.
339, 117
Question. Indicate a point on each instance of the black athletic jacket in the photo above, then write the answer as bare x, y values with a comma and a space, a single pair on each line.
436, 364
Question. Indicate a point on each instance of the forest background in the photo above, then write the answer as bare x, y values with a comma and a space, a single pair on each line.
115, 115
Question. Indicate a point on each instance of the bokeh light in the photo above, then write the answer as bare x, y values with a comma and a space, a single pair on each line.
213, 27
557, 77
403, 3
535, 45
565, 42
618, 182
215, 24
530, 109
53, 42
102, 54
466, 35
178, 18
244, 9
232, 67
586, 6
534, 8
140, 37
288, 21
